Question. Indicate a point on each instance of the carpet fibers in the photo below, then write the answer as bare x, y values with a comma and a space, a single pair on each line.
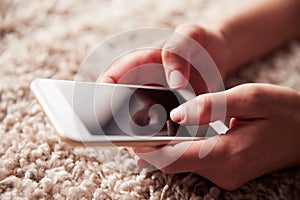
49, 39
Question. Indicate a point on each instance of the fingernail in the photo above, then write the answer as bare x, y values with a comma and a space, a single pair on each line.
177, 114
176, 80
140, 162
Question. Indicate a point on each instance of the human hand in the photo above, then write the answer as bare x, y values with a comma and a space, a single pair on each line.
176, 70
263, 136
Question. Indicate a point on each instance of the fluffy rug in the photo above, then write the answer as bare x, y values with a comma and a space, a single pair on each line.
50, 39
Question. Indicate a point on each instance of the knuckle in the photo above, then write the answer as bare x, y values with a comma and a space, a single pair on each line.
194, 31
204, 106
190, 29
182, 42
252, 94
204, 101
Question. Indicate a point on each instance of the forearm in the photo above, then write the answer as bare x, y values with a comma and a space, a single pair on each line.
259, 29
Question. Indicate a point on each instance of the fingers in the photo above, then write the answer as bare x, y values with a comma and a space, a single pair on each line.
124, 70
174, 55
181, 157
241, 102
141, 163
177, 52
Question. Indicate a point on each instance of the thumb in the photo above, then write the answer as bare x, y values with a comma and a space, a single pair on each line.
239, 102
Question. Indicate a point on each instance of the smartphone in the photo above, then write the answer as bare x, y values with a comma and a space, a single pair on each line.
117, 114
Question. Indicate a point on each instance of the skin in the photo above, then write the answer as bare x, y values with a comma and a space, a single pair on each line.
263, 135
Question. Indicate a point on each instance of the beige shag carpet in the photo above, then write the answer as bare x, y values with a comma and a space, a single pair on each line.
50, 39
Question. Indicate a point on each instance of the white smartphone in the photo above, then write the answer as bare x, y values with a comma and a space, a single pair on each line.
111, 114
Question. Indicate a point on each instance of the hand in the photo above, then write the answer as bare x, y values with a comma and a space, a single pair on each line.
176, 70
263, 136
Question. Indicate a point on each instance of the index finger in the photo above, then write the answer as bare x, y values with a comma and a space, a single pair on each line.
125, 66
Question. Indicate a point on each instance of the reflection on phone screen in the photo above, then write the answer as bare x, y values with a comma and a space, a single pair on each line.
142, 112
122, 110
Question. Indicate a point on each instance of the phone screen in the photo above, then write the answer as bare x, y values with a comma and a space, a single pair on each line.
140, 111
125, 110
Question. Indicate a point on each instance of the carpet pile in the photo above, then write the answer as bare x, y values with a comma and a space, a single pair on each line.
49, 39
